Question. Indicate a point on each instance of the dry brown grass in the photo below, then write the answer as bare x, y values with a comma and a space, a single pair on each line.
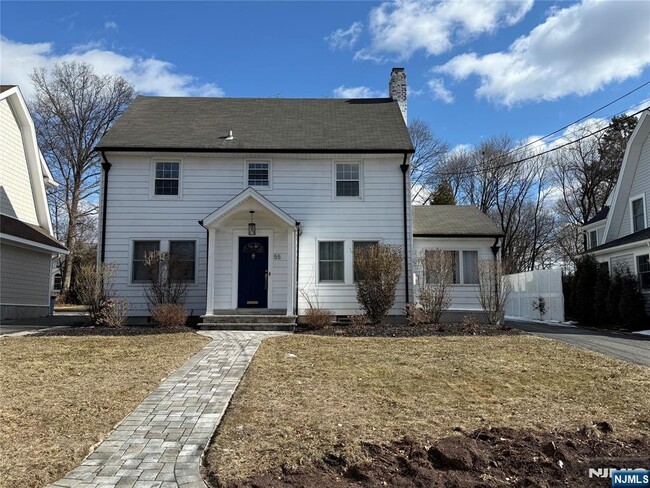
61, 395
337, 392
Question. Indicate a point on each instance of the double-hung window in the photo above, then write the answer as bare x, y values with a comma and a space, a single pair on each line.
643, 268
464, 267
638, 214
331, 262
182, 260
167, 178
348, 179
259, 174
141, 249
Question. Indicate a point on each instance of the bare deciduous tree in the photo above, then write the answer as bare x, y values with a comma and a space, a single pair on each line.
436, 279
73, 107
429, 152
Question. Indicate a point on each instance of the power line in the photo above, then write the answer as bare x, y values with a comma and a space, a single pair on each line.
519, 148
528, 158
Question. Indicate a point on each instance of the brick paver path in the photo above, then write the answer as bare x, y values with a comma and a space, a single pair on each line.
159, 445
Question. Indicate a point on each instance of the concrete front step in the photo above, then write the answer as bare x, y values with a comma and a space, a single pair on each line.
248, 319
248, 327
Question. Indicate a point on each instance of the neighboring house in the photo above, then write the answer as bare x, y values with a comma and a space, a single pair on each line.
26, 240
619, 235
263, 199
469, 235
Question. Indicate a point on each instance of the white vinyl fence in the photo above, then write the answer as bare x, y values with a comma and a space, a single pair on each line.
531, 288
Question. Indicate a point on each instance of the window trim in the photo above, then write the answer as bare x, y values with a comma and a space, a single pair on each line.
152, 179
258, 187
344, 281
591, 245
164, 246
645, 216
460, 264
334, 179
636, 270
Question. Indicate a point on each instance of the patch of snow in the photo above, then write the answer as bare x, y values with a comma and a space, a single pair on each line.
642, 332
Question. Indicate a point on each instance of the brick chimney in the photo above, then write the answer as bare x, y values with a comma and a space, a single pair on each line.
397, 89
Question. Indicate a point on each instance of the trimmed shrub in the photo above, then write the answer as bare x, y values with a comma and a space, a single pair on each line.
584, 288
318, 318
358, 320
414, 315
631, 307
614, 298
601, 292
378, 269
169, 315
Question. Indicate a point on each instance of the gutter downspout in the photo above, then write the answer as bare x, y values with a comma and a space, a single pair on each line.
298, 233
106, 166
495, 252
404, 167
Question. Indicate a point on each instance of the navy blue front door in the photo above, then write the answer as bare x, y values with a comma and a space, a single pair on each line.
253, 272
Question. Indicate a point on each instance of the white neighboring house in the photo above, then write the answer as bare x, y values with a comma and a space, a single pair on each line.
264, 199
619, 235
26, 240
470, 235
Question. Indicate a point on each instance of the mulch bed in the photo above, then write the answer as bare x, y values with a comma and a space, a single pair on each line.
129, 330
497, 457
400, 330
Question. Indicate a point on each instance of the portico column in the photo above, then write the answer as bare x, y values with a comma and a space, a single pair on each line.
212, 242
291, 269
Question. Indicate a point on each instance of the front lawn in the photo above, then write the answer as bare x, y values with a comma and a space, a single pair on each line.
61, 395
306, 398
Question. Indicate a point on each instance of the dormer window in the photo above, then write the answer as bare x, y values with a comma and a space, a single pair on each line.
593, 239
638, 214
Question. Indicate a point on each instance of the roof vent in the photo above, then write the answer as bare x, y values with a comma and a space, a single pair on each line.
230, 136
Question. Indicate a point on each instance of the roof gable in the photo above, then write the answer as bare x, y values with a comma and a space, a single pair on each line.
623, 185
452, 220
260, 125
36, 165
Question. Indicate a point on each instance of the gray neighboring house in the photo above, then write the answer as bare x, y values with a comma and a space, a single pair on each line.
619, 235
466, 232
26, 240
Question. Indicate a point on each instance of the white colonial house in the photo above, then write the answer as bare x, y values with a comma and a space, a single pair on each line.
264, 199
470, 236
619, 235
26, 240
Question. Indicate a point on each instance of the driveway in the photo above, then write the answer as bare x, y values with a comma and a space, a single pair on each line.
28, 326
631, 348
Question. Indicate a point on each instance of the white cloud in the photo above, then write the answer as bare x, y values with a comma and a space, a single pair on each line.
439, 91
110, 25
577, 50
406, 26
358, 92
345, 38
149, 75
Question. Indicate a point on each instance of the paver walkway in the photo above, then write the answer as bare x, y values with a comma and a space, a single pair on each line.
159, 445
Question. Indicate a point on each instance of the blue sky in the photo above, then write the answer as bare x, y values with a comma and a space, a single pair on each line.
475, 69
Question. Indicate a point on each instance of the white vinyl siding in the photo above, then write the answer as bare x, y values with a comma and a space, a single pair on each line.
468, 252
302, 187
16, 197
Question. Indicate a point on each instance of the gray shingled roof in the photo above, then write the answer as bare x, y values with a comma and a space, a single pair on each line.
638, 236
601, 215
29, 232
267, 124
452, 220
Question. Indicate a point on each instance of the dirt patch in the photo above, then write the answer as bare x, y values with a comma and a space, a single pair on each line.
497, 457
398, 330
131, 330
